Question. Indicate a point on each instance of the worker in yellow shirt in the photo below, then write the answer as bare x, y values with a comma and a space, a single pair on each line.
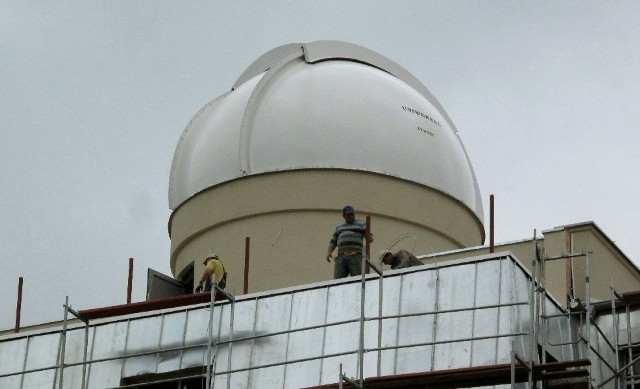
213, 273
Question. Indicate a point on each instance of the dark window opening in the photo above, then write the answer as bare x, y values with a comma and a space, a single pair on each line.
186, 278
181, 379
161, 286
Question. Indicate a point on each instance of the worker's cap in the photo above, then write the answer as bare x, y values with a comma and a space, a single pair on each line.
384, 253
348, 209
213, 256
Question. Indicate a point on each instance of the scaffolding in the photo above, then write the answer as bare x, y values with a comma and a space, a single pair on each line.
626, 373
533, 368
496, 374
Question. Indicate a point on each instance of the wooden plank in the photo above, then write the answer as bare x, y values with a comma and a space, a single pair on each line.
147, 306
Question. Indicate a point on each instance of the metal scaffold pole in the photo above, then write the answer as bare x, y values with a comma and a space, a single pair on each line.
84, 355
532, 310
210, 337
615, 296
513, 364
380, 282
543, 310
233, 303
543, 328
616, 347
588, 307
629, 350
363, 270
213, 360
380, 299
63, 341
361, 343
67, 308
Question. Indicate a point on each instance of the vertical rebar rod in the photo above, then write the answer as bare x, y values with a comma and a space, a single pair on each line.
491, 224
247, 247
63, 341
367, 243
130, 281
18, 305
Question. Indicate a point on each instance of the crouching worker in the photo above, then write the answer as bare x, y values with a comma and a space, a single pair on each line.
399, 260
213, 273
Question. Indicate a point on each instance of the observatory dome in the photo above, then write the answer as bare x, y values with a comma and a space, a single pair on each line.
322, 105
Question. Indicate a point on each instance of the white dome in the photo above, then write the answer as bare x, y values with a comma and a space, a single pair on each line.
324, 105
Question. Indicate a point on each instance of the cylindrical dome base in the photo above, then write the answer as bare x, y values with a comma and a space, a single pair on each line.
290, 216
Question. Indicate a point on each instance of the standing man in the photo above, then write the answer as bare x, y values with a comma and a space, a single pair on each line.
213, 273
348, 239
399, 260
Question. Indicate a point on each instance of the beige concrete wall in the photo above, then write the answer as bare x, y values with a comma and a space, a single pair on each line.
557, 281
291, 215
607, 266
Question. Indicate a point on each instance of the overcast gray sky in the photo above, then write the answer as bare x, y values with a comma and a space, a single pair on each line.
95, 95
